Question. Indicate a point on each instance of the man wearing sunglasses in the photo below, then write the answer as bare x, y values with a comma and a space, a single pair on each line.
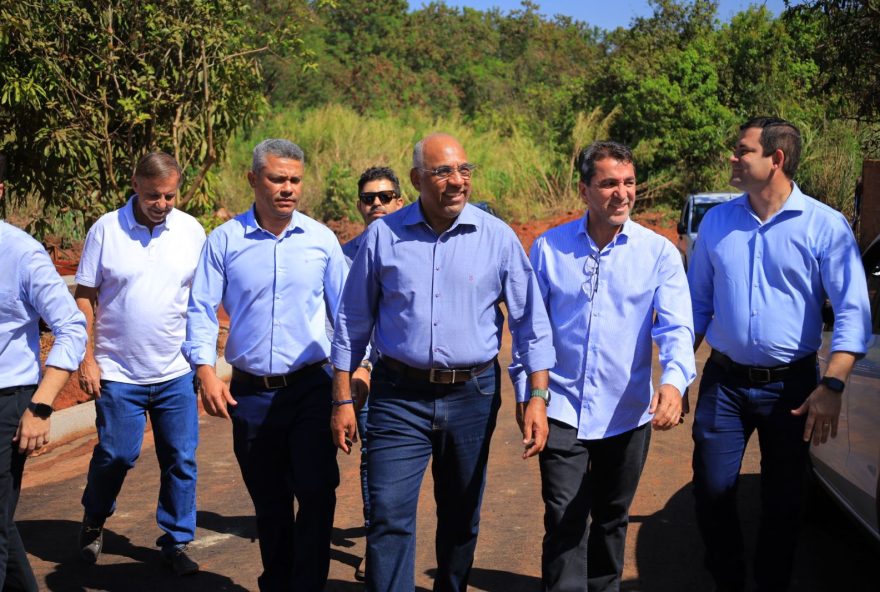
429, 280
611, 287
378, 195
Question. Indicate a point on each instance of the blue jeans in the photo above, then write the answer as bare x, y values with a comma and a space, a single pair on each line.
729, 410
282, 441
122, 415
15, 569
409, 422
363, 437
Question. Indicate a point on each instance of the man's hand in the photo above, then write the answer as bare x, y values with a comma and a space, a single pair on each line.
90, 377
532, 420
823, 410
360, 387
343, 425
32, 433
215, 393
665, 407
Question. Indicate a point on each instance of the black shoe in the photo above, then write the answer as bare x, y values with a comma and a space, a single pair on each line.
91, 539
179, 561
360, 573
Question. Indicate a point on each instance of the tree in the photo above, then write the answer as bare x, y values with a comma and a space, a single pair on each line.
88, 87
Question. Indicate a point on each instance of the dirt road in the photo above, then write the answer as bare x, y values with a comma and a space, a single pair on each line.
663, 549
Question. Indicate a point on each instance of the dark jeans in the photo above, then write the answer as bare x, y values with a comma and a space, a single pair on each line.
363, 437
282, 442
729, 409
122, 412
409, 422
581, 479
15, 569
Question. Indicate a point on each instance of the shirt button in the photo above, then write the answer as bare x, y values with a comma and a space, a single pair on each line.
437, 268
436, 349
437, 295
754, 313
436, 323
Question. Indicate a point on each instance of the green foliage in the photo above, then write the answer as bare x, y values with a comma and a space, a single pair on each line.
88, 87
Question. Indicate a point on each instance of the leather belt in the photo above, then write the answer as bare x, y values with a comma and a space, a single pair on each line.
8, 390
763, 374
275, 381
437, 375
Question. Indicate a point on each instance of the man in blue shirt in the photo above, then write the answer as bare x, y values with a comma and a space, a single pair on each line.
279, 275
378, 195
430, 279
30, 288
762, 269
611, 287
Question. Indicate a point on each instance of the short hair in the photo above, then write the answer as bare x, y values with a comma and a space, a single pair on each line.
278, 148
601, 150
157, 165
418, 160
2, 168
376, 173
778, 134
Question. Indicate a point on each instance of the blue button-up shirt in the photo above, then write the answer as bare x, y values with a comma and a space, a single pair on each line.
30, 288
278, 291
434, 300
350, 249
606, 307
758, 288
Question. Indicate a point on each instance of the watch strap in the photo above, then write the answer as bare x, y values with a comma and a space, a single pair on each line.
834, 384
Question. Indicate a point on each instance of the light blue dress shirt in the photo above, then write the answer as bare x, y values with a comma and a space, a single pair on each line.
758, 288
435, 300
278, 291
30, 288
606, 307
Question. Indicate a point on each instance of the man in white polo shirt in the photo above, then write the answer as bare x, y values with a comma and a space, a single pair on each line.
133, 287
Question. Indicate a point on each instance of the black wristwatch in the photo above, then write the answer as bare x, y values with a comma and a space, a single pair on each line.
40, 410
833, 384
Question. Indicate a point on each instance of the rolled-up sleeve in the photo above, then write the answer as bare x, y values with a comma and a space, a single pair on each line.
47, 293
202, 326
673, 326
843, 278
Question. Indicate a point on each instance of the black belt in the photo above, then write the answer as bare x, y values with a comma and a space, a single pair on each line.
437, 375
276, 381
12, 389
762, 374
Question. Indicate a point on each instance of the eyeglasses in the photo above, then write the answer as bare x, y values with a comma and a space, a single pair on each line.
385, 197
446, 171
591, 273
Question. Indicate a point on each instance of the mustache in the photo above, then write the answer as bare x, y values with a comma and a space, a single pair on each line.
379, 208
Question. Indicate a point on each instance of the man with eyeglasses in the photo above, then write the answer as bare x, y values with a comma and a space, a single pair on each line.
429, 279
279, 274
133, 287
378, 195
611, 287
763, 266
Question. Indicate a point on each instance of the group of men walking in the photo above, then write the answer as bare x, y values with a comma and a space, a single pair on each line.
393, 339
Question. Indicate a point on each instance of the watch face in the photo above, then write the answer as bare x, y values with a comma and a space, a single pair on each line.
40, 410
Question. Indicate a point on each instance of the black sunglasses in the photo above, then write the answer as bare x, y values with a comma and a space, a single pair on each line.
385, 197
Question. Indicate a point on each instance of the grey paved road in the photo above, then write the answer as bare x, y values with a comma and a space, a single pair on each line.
663, 552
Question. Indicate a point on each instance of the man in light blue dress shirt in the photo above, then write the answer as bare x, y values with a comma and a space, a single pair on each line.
612, 287
378, 195
763, 266
279, 275
430, 279
30, 288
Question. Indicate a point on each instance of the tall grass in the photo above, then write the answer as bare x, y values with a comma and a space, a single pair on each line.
514, 174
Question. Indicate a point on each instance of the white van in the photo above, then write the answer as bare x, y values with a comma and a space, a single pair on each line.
695, 207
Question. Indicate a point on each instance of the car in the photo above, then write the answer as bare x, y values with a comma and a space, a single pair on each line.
848, 466
695, 207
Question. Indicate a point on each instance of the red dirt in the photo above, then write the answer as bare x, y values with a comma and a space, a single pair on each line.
67, 259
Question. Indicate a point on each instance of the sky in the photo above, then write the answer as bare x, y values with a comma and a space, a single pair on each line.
606, 14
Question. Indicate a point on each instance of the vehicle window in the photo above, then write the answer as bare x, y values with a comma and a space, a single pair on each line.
700, 210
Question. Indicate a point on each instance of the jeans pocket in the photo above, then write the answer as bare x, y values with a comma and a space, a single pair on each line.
487, 383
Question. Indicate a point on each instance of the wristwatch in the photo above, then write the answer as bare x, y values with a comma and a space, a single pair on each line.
368, 365
833, 384
40, 410
541, 394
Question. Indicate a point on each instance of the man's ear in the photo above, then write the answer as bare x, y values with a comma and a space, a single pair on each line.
252, 179
415, 178
778, 158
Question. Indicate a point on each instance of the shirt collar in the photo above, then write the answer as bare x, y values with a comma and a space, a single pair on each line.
625, 235
795, 202
468, 215
127, 214
251, 225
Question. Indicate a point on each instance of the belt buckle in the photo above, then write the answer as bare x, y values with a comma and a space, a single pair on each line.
275, 382
433, 376
759, 375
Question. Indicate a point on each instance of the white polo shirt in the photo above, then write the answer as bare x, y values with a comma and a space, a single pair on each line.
143, 281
